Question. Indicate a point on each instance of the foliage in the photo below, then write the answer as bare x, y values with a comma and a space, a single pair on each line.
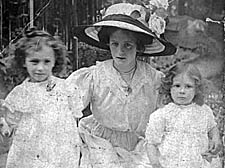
88, 55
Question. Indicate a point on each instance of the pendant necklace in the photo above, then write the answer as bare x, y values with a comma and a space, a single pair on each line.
127, 88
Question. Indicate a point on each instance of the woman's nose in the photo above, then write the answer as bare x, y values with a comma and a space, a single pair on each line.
121, 48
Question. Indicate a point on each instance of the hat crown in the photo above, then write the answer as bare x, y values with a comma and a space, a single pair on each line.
132, 10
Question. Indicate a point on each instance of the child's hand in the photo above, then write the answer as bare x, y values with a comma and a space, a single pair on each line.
215, 145
5, 130
208, 156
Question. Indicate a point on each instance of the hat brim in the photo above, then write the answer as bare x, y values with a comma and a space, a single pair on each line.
89, 35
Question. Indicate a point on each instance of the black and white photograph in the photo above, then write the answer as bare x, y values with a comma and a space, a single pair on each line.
112, 84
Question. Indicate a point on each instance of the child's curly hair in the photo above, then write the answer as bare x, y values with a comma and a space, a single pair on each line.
33, 40
192, 71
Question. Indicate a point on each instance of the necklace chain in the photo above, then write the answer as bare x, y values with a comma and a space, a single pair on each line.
126, 71
127, 88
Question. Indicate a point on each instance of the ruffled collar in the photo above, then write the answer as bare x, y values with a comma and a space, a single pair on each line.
49, 84
173, 105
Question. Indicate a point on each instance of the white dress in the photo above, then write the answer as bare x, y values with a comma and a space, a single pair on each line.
181, 133
47, 135
114, 132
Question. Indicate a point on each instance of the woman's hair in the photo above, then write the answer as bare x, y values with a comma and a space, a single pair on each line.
106, 31
34, 40
192, 71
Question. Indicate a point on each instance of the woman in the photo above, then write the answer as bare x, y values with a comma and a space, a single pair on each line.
123, 91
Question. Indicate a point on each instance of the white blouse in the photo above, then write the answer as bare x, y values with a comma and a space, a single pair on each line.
181, 133
48, 130
112, 106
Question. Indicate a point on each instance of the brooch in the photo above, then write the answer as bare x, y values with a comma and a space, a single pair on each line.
127, 89
50, 86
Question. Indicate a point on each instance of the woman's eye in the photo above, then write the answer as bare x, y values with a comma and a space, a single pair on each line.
114, 44
128, 45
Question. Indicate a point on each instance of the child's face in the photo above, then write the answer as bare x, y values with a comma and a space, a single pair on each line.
183, 89
123, 48
39, 64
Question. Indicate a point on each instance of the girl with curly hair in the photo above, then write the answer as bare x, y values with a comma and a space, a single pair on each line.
46, 134
183, 133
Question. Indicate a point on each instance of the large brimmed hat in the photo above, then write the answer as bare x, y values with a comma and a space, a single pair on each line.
135, 18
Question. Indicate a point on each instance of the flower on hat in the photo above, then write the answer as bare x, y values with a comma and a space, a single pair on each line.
158, 13
159, 3
157, 24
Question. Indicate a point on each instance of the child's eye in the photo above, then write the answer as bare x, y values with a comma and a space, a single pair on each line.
189, 86
47, 61
176, 86
34, 61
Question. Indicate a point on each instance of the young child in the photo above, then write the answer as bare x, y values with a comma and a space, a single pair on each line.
178, 134
46, 135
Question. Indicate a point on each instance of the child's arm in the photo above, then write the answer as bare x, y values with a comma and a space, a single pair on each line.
11, 116
154, 134
153, 155
215, 144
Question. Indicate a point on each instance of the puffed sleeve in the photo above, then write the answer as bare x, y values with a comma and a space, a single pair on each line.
155, 76
155, 127
79, 86
158, 80
16, 103
210, 117
19, 99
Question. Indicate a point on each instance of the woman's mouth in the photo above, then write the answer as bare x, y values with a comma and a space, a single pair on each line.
38, 74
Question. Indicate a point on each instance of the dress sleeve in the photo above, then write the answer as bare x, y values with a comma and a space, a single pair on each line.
79, 87
15, 102
155, 128
18, 99
158, 80
210, 117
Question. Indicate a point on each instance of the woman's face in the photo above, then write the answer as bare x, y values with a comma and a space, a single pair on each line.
39, 64
183, 89
123, 47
